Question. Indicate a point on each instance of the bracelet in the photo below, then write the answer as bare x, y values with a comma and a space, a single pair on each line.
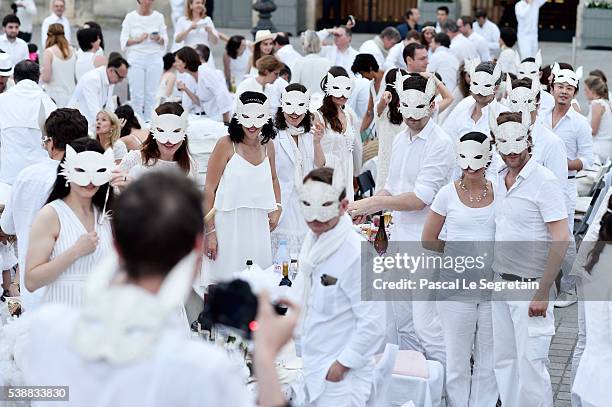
278, 205
210, 231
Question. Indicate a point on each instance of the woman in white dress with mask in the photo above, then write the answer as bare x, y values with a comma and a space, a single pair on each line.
341, 141
465, 208
71, 234
297, 147
242, 186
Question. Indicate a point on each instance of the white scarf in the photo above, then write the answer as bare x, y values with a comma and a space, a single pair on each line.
295, 131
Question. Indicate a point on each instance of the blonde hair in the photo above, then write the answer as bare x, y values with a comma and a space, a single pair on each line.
115, 127
597, 86
56, 36
189, 11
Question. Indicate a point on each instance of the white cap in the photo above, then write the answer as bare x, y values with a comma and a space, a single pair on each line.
6, 64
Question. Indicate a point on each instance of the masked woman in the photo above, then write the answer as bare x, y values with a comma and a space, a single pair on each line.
466, 208
242, 186
298, 146
71, 234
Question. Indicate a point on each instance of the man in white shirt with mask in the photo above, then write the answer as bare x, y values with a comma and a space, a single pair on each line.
460, 46
488, 30
527, 14
465, 24
33, 184
19, 129
94, 92
339, 333
56, 17
421, 163
341, 53
531, 238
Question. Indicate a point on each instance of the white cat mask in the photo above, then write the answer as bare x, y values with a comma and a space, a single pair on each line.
474, 155
566, 75
414, 104
529, 69
87, 167
481, 82
521, 98
295, 102
253, 113
319, 200
169, 128
339, 86
510, 137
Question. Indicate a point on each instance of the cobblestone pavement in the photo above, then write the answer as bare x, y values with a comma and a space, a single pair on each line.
560, 355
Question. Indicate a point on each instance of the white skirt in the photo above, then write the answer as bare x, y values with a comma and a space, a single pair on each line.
242, 234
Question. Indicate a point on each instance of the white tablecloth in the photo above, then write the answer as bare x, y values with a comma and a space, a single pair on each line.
423, 392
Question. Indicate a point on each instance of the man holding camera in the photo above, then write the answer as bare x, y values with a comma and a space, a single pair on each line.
339, 333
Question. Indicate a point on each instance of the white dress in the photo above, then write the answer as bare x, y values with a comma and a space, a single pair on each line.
602, 141
292, 225
119, 150
69, 286
84, 63
386, 132
133, 165
197, 36
62, 84
244, 198
238, 67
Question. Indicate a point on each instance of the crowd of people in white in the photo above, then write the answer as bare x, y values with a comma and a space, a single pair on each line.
104, 234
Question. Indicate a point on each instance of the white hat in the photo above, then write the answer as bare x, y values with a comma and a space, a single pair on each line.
263, 35
6, 64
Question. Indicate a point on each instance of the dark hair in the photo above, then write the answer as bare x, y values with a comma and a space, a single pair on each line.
231, 48
442, 39
168, 61
26, 69
348, 31
329, 110
413, 35
410, 49
364, 63
524, 83
279, 119
235, 130
61, 188
508, 36
190, 57
488, 67
528, 59
443, 8
565, 65
600, 73
394, 115
203, 52
323, 174
467, 20
156, 222
285, 70
10, 18
450, 26
281, 38
462, 83
604, 237
65, 125
150, 152
116, 61
418, 82
408, 14
131, 122
96, 26
257, 54
546, 71
480, 12
86, 37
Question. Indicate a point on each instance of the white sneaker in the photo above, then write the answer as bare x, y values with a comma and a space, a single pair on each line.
565, 299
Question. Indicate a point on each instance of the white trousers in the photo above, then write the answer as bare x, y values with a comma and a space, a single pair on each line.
144, 75
468, 329
353, 391
521, 354
580, 344
528, 45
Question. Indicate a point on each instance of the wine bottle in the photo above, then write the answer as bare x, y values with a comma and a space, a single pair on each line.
381, 241
285, 280
249, 264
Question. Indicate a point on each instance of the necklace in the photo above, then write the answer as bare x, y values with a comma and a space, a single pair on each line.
471, 198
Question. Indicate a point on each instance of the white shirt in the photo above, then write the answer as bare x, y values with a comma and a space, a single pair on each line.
30, 192
481, 46
421, 165
336, 57
54, 19
527, 16
549, 150
310, 70
339, 325
521, 215
215, 99
446, 64
575, 131
50, 358
463, 48
134, 25
547, 103
395, 57
18, 49
490, 32
360, 97
197, 36
92, 94
507, 61
20, 144
191, 84
289, 56
372, 48
26, 15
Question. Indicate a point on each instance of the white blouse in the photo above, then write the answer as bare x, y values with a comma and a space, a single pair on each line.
134, 25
